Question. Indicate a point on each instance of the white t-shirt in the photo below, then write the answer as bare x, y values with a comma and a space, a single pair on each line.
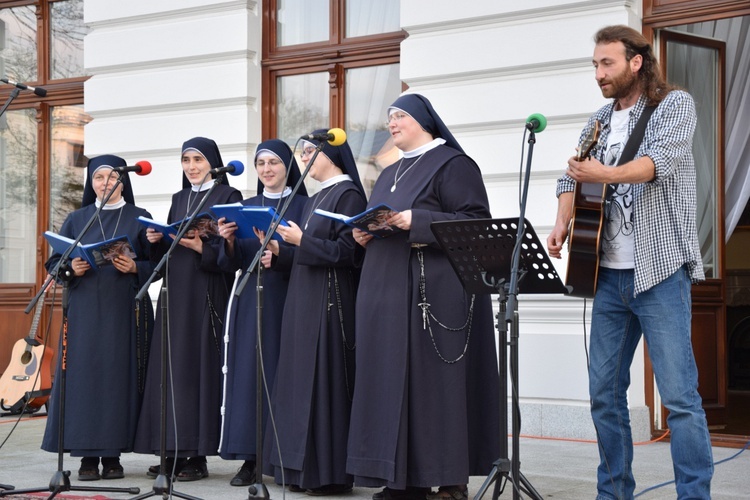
617, 234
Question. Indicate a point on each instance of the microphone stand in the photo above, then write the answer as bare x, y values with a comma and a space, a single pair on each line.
258, 490
61, 479
517, 479
162, 483
13, 94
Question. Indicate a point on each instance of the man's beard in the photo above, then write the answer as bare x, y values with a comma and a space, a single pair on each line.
621, 85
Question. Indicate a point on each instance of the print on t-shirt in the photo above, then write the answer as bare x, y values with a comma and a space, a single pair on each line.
617, 233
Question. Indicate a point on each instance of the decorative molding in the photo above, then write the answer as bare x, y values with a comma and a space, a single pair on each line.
175, 108
525, 71
518, 16
158, 18
177, 62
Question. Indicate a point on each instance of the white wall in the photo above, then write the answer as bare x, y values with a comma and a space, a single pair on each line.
164, 71
486, 67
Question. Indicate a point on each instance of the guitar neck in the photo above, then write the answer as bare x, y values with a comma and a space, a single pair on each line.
31, 338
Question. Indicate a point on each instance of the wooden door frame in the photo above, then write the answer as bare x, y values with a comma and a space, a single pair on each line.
660, 14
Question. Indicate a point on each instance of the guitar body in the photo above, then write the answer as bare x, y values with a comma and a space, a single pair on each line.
21, 375
28, 377
584, 239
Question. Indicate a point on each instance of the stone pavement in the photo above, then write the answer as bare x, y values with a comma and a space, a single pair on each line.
557, 469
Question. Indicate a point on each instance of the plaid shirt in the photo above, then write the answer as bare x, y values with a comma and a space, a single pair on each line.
664, 208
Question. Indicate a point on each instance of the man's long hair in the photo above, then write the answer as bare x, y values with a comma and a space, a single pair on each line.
653, 84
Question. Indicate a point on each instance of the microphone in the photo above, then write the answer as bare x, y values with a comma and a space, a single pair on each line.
140, 168
536, 122
37, 90
335, 137
234, 167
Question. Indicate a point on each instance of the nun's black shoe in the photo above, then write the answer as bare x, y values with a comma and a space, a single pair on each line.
153, 471
245, 475
89, 470
195, 469
88, 474
295, 488
113, 472
330, 489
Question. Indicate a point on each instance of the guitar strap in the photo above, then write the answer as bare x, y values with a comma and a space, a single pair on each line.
635, 139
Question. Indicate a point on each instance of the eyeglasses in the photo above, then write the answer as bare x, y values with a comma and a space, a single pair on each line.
273, 162
307, 151
395, 117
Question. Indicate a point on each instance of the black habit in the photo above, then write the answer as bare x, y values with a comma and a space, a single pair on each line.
423, 415
106, 349
238, 430
197, 296
315, 375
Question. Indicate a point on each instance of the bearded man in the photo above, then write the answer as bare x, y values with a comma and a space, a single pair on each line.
649, 258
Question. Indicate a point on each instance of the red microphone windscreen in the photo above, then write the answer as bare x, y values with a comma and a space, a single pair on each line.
145, 167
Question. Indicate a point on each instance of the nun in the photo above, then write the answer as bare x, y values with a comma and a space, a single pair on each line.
425, 410
197, 290
315, 376
277, 173
108, 336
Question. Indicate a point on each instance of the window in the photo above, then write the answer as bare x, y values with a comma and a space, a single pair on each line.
41, 137
333, 63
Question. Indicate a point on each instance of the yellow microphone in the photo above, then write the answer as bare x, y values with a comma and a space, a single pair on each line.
334, 137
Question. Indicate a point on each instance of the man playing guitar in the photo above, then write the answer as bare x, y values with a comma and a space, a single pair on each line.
649, 258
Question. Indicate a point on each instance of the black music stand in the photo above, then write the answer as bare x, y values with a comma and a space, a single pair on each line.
482, 253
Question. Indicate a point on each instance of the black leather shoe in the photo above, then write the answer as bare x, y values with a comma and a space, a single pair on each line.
89, 470
245, 475
194, 469
153, 471
330, 489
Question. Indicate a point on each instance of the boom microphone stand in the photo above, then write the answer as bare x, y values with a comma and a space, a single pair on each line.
497, 256
258, 490
162, 483
61, 479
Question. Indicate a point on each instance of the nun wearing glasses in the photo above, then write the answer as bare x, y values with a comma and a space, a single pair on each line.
278, 173
426, 409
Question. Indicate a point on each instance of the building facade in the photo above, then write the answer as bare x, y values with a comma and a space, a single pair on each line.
157, 72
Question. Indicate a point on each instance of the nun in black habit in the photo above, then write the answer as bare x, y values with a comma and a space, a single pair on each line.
425, 410
197, 290
277, 175
315, 376
108, 337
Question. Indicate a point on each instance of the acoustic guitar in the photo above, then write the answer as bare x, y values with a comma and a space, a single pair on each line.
28, 377
585, 227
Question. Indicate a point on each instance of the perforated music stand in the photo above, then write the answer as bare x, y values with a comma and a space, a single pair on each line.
481, 253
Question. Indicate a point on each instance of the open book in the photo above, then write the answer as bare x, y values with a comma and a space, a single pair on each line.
261, 217
373, 220
96, 254
204, 223
247, 217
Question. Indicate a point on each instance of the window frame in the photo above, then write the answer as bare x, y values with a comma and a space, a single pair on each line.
334, 56
62, 92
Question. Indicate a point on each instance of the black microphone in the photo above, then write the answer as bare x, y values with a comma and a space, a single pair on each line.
335, 136
140, 168
536, 122
37, 90
234, 167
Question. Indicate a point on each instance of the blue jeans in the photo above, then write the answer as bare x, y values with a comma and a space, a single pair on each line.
663, 314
